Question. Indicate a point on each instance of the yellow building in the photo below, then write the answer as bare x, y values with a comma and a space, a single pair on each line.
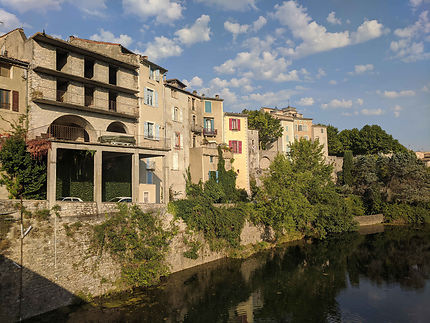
236, 137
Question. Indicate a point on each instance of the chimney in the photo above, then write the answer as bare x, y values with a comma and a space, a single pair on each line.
145, 57
203, 94
216, 96
195, 92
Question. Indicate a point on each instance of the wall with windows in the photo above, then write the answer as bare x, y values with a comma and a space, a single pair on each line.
213, 113
320, 133
287, 135
302, 128
236, 137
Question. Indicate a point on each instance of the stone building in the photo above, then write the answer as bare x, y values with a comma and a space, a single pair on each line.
84, 96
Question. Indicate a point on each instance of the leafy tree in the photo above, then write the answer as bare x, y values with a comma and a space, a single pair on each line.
23, 175
269, 128
347, 167
335, 147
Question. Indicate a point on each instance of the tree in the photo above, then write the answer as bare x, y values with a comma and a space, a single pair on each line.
335, 147
23, 173
347, 167
269, 128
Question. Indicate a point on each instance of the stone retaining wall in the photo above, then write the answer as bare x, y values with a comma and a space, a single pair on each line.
369, 219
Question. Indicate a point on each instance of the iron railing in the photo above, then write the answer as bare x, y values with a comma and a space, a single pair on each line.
67, 133
209, 132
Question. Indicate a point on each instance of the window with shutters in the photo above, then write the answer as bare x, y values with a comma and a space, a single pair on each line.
177, 140
175, 161
154, 74
15, 101
235, 146
176, 114
5, 70
234, 124
145, 197
151, 131
208, 107
151, 97
5, 99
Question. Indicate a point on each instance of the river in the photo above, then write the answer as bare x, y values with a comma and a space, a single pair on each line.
354, 277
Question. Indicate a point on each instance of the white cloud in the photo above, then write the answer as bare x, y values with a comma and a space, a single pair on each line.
360, 69
409, 48
426, 88
194, 82
243, 83
164, 11
372, 112
321, 73
259, 23
396, 110
10, 21
416, 3
306, 102
336, 103
264, 66
315, 37
93, 7
332, 82
107, 36
278, 98
239, 5
360, 101
331, 18
396, 94
162, 47
198, 32
235, 28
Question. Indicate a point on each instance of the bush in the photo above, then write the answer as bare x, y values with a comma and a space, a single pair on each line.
354, 205
406, 213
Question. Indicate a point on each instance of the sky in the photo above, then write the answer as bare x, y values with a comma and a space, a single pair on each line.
347, 63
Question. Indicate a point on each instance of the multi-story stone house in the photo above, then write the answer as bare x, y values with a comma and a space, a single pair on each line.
236, 136
85, 95
13, 95
295, 127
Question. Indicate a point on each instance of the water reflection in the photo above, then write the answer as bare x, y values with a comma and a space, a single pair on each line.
352, 277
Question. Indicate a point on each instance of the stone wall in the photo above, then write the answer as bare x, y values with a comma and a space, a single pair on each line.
369, 219
60, 266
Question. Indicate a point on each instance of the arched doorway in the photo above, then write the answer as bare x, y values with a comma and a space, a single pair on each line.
72, 128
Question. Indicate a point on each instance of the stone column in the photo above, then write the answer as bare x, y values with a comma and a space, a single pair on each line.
51, 180
135, 177
98, 161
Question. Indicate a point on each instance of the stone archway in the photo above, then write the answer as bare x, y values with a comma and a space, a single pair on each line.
73, 128
117, 127
265, 162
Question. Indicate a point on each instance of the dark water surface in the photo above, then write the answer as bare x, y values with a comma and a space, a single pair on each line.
380, 277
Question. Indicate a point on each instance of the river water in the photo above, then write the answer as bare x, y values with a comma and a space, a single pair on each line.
354, 277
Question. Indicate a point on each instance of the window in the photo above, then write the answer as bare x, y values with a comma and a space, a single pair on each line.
89, 96
286, 128
112, 101
322, 130
194, 120
176, 114
213, 174
235, 146
211, 159
178, 140
62, 90
4, 70
151, 97
175, 161
209, 124
113, 75
193, 104
149, 177
234, 124
154, 74
305, 127
151, 131
208, 107
300, 128
5, 99
145, 197
88, 68
61, 60
287, 138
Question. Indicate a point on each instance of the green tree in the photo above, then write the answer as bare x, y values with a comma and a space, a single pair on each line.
335, 147
347, 167
23, 175
269, 128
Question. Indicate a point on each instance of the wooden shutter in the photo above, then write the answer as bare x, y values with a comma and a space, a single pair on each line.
157, 75
156, 99
180, 114
145, 130
157, 132
15, 101
230, 123
230, 144
240, 147
145, 96
238, 124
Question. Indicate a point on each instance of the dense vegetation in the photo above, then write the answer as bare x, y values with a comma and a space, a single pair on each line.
367, 141
138, 241
397, 186
269, 128
23, 174
298, 195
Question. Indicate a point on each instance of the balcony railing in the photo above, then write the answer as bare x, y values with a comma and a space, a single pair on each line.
209, 132
99, 104
197, 129
66, 133
5, 105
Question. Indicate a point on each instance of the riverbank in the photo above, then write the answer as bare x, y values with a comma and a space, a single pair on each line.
61, 267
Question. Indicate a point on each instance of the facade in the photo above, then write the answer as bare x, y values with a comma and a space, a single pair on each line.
236, 137
295, 127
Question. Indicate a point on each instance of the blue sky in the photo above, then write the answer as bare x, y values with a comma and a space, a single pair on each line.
342, 62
